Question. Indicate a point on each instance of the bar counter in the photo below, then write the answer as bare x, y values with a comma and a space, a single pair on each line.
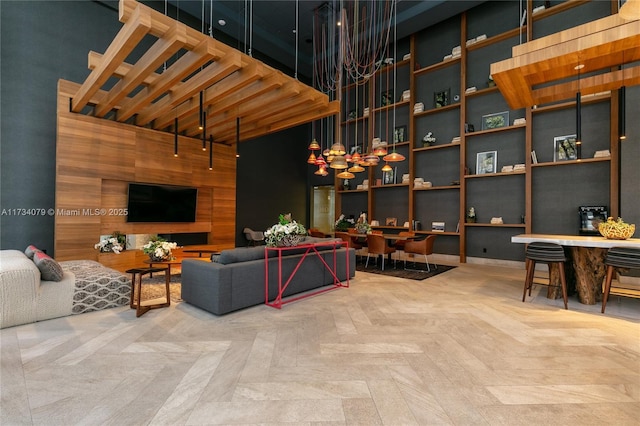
586, 256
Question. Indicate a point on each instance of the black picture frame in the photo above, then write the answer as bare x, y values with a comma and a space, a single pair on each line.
442, 98
400, 134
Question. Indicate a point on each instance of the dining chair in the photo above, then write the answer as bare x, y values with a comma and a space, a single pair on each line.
253, 237
377, 245
423, 247
351, 240
399, 244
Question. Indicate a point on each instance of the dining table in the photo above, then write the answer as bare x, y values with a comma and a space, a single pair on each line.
586, 255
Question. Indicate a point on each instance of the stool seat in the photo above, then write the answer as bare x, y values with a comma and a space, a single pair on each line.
618, 257
545, 252
136, 289
548, 253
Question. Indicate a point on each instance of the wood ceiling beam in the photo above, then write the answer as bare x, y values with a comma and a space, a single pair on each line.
589, 85
189, 112
599, 46
169, 79
152, 59
125, 41
160, 24
203, 79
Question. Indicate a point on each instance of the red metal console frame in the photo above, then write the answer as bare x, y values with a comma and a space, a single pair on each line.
309, 249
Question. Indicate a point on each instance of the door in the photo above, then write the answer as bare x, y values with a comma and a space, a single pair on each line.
323, 208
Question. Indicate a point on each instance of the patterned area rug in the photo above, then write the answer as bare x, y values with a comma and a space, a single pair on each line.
153, 288
419, 274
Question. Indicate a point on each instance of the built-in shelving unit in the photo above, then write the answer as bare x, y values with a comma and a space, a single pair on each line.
542, 197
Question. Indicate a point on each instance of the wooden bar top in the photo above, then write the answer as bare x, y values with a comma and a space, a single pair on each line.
576, 240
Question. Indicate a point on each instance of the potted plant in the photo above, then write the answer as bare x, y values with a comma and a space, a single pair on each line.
114, 243
429, 139
343, 224
286, 233
159, 249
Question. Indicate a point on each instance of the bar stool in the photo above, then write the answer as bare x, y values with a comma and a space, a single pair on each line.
548, 253
135, 301
618, 257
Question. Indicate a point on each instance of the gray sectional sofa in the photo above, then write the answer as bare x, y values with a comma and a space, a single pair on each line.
236, 278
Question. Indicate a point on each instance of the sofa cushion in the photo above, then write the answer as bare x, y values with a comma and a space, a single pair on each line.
31, 250
50, 270
241, 254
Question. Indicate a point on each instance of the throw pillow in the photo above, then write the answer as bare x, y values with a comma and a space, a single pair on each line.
31, 250
50, 270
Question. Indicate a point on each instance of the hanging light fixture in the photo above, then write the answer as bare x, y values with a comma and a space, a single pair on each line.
312, 158
204, 132
175, 137
345, 174
622, 106
394, 156
201, 111
386, 168
579, 116
210, 152
237, 137
339, 162
314, 145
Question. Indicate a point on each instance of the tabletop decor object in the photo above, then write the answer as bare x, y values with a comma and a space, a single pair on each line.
362, 226
471, 215
158, 249
342, 224
114, 243
286, 233
616, 229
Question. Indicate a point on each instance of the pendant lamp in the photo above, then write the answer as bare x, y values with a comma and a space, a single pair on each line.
356, 168
630, 10
339, 162
312, 158
175, 137
386, 168
314, 145
210, 152
579, 116
345, 175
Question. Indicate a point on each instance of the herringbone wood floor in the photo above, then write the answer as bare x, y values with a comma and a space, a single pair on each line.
456, 349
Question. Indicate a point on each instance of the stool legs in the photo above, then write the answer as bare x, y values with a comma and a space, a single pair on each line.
607, 286
528, 282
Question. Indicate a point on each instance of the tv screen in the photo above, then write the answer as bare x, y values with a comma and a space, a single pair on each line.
161, 203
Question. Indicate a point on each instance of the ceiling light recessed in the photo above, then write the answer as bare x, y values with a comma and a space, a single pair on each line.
222, 22
579, 67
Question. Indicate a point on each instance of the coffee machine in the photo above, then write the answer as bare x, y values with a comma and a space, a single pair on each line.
590, 217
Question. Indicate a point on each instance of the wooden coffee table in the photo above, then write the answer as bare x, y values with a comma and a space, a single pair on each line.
166, 263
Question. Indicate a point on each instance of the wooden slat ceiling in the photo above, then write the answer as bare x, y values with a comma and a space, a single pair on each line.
544, 70
233, 85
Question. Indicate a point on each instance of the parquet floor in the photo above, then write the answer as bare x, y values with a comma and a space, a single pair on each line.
457, 349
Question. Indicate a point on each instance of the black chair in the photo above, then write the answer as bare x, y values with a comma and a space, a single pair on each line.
548, 253
618, 257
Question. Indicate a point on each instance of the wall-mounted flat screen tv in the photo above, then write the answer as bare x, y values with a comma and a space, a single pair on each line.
161, 203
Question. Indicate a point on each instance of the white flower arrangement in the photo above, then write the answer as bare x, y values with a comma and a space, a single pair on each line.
284, 232
429, 139
109, 245
472, 212
159, 249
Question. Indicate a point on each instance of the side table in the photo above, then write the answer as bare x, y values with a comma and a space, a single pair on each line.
135, 301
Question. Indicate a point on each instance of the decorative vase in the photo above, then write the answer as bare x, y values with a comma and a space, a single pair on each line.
155, 258
471, 219
290, 240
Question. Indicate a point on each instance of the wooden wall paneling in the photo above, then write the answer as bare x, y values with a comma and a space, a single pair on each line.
96, 160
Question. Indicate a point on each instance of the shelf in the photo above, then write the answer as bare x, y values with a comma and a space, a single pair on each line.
444, 145
391, 106
437, 110
347, 191
437, 188
497, 38
481, 92
354, 120
519, 172
586, 99
499, 129
437, 66
561, 7
565, 163
389, 68
391, 185
496, 225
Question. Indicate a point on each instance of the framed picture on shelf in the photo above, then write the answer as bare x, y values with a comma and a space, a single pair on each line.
400, 134
564, 148
441, 99
495, 121
486, 162
391, 221
437, 226
386, 98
